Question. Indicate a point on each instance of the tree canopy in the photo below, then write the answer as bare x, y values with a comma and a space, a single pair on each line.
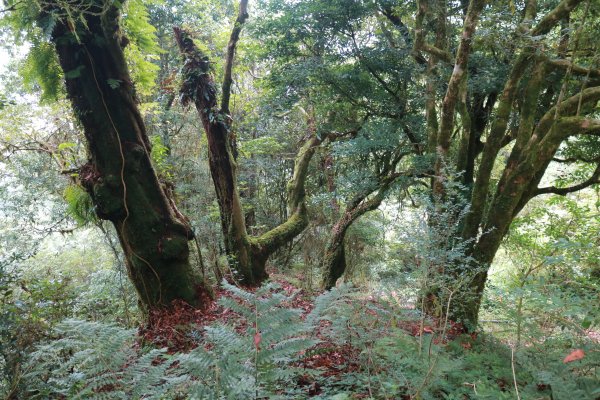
425, 172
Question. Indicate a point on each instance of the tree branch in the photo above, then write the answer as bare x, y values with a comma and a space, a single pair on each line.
571, 126
567, 125
571, 160
592, 180
460, 67
553, 17
231, 46
419, 44
374, 73
575, 69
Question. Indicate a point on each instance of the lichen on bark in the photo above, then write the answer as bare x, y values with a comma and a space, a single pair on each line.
119, 175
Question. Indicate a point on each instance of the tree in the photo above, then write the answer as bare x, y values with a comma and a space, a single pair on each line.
246, 253
119, 175
360, 79
385, 173
543, 104
487, 98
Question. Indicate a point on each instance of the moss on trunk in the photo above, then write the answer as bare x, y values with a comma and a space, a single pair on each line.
119, 175
247, 255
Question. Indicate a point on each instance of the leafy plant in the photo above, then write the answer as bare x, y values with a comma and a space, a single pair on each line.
254, 358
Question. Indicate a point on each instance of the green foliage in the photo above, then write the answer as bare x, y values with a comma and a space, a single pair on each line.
261, 146
544, 286
258, 356
28, 308
142, 51
94, 360
41, 71
160, 157
80, 206
64, 279
395, 364
90, 360
236, 366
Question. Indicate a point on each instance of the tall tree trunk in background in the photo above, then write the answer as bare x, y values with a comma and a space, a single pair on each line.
334, 260
247, 254
119, 175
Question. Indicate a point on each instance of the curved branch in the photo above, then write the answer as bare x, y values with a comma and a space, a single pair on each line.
568, 125
549, 21
592, 180
575, 69
571, 126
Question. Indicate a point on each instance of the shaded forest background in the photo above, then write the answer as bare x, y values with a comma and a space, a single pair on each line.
292, 199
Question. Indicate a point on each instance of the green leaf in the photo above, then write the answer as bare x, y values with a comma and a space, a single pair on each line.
74, 73
66, 145
114, 83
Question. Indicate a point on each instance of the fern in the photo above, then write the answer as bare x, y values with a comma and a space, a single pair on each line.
143, 47
42, 71
79, 205
101, 361
239, 368
90, 360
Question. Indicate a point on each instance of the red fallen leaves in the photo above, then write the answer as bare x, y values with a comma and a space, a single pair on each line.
453, 330
314, 388
334, 359
257, 339
575, 355
170, 327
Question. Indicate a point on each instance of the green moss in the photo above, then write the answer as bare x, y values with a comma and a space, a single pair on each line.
109, 204
174, 248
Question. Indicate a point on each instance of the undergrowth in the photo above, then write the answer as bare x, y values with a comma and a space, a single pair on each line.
348, 347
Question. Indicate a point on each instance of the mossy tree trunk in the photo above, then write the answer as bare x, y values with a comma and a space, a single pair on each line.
119, 175
538, 131
247, 254
334, 259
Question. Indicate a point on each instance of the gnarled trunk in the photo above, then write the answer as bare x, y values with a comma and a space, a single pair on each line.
540, 130
334, 260
119, 175
247, 254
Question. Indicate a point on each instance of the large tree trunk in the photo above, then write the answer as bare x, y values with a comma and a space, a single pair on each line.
119, 175
493, 207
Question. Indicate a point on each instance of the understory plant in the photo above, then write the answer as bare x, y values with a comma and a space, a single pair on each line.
254, 357
385, 351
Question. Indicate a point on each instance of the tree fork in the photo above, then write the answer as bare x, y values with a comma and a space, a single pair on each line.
247, 254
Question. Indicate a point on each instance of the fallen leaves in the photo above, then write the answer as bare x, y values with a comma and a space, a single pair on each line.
257, 339
575, 355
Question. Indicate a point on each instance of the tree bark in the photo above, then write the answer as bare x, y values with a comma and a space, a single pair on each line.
247, 254
536, 135
119, 175
334, 259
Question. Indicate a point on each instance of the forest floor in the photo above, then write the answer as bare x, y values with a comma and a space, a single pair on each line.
171, 329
